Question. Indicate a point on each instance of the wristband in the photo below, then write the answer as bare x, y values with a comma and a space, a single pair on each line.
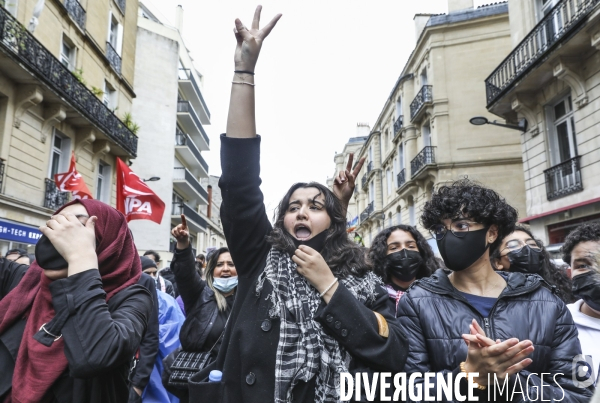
244, 72
462, 369
329, 288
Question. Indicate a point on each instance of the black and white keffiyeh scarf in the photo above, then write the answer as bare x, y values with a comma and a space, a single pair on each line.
304, 350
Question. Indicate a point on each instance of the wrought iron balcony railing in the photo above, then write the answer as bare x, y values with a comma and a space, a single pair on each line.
21, 46
113, 57
76, 12
424, 158
398, 124
54, 198
186, 106
365, 180
121, 4
183, 139
401, 178
424, 96
563, 179
366, 212
187, 75
543, 39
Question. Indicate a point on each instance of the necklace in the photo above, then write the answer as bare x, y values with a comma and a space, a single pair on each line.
493, 288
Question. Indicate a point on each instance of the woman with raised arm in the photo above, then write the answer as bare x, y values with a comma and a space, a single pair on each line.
71, 324
307, 307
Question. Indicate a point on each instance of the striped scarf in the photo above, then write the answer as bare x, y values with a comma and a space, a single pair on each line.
304, 349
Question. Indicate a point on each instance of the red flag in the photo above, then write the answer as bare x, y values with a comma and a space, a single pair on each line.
134, 198
72, 181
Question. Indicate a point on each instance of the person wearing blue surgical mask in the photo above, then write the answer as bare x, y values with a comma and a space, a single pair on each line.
207, 302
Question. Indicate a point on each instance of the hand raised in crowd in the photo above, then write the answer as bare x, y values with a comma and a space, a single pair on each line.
181, 234
344, 182
313, 267
75, 241
249, 41
486, 356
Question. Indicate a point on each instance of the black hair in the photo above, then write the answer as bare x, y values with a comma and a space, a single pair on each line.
343, 256
153, 253
21, 252
209, 274
378, 253
471, 200
201, 257
584, 233
550, 272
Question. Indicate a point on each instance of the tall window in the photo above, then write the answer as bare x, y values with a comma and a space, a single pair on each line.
390, 223
103, 182
389, 182
68, 53
411, 214
59, 155
115, 33
426, 135
400, 157
371, 191
398, 216
110, 96
423, 76
563, 144
398, 107
370, 154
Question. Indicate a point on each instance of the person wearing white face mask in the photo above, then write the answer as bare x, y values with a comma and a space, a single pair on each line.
207, 302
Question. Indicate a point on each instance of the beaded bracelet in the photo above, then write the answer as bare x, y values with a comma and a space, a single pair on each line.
462, 369
329, 288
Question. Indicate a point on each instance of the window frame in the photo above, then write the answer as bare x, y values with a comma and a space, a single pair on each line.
64, 153
554, 123
71, 56
103, 180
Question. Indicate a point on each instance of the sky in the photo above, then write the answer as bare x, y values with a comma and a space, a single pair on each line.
325, 67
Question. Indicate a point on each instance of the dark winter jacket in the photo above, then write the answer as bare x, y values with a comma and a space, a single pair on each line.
140, 374
198, 299
252, 336
434, 315
171, 285
100, 338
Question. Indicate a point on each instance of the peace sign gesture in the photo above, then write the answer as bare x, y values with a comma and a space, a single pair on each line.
344, 182
249, 41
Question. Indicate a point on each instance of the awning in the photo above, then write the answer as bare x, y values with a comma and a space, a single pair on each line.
560, 210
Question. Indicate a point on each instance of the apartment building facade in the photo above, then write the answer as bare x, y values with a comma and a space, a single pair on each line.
170, 99
66, 85
423, 137
215, 238
551, 78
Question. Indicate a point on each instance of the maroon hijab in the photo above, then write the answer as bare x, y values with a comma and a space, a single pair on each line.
38, 366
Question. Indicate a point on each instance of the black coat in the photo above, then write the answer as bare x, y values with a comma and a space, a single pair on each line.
140, 374
170, 283
251, 337
100, 338
434, 315
198, 299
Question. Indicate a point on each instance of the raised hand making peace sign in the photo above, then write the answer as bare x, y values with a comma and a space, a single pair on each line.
344, 182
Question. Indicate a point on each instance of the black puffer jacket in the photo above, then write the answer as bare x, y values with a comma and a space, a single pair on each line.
434, 315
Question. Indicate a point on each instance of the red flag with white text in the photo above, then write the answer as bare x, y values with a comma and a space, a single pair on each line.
134, 198
72, 181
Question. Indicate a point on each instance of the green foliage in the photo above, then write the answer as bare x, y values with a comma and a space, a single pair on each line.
131, 125
97, 91
78, 73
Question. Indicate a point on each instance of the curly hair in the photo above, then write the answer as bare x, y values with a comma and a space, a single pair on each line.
554, 275
342, 255
469, 199
378, 253
584, 233
210, 277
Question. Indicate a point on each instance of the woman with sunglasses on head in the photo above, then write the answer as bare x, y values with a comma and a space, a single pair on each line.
400, 255
521, 252
308, 307
71, 325
442, 312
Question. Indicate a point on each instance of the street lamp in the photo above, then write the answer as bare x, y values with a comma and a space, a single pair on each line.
152, 179
480, 120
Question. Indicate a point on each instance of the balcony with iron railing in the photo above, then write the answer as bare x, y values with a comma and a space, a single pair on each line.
424, 97
18, 44
187, 184
76, 12
398, 125
53, 197
401, 177
192, 92
113, 57
551, 32
424, 158
366, 212
191, 124
563, 179
188, 151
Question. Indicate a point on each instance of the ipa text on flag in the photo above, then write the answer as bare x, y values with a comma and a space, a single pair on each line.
134, 198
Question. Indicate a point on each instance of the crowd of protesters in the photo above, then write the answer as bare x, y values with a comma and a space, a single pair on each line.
290, 305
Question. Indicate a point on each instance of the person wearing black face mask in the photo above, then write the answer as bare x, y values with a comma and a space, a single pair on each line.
500, 315
581, 251
399, 255
521, 252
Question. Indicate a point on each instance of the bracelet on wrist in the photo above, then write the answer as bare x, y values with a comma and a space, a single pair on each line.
462, 369
329, 288
244, 72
